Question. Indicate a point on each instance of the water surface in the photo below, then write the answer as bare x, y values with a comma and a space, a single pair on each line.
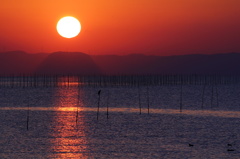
63, 122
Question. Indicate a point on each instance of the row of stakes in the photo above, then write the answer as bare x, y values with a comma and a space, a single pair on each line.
139, 101
181, 92
148, 100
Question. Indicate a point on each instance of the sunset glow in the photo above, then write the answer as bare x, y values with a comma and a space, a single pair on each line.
160, 27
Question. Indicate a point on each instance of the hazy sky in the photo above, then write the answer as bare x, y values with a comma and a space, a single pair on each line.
162, 27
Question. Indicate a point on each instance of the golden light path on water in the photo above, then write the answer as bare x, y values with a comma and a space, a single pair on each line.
67, 142
214, 113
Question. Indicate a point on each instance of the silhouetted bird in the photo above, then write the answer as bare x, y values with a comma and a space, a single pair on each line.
190, 145
99, 92
229, 145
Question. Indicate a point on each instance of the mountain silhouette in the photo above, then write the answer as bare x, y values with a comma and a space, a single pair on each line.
182, 64
68, 63
19, 62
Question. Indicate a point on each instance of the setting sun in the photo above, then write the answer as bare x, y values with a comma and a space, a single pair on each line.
68, 27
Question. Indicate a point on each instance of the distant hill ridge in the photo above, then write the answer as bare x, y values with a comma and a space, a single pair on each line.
19, 62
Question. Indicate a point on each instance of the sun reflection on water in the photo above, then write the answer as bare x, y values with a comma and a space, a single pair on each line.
68, 81
69, 139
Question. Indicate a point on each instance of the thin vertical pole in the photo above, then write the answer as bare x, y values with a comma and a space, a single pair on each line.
181, 98
28, 116
68, 80
107, 105
77, 106
99, 95
139, 101
148, 99
203, 92
217, 95
212, 97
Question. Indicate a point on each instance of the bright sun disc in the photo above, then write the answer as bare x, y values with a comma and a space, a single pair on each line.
68, 27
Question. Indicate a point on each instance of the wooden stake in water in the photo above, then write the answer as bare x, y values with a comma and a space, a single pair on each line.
181, 94
77, 105
99, 95
28, 116
107, 105
212, 97
217, 94
68, 80
148, 99
203, 92
139, 101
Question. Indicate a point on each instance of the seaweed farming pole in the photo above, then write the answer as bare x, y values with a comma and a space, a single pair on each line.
28, 115
212, 96
139, 100
181, 94
217, 95
68, 80
148, 99
77, 106
99, 95
107, 105
203, 92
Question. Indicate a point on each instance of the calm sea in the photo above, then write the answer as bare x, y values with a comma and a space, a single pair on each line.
168, 121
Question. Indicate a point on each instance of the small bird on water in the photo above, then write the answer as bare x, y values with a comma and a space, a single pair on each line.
190, 145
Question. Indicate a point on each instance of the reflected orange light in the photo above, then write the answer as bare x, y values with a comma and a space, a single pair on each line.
69, 135
68, 81
213, 113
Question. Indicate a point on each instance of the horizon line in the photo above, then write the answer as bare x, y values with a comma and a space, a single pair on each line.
126, 54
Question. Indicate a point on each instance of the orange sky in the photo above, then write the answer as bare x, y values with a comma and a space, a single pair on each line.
162, 27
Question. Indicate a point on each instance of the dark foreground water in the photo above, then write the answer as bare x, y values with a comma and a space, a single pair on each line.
62, 122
